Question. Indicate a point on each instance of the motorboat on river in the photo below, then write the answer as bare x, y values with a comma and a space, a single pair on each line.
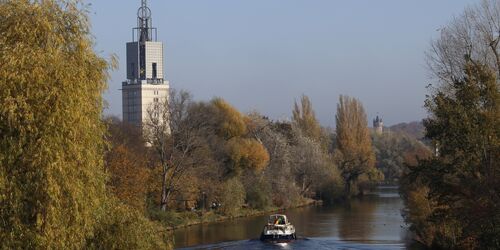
278, 228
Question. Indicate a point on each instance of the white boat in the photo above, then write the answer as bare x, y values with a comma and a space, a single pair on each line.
278, 228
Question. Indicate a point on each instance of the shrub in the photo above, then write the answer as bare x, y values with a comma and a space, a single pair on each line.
232, 196
122, 227
258, 196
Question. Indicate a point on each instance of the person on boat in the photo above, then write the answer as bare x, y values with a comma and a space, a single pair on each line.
279, 221
282, 221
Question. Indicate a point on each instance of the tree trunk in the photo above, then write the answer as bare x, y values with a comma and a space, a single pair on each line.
303, 183
347, 187
493, 46
164, 191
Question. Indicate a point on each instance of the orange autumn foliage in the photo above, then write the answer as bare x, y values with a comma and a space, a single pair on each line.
128, 176
247, 153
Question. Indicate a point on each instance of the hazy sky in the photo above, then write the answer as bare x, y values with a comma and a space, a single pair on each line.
263, 54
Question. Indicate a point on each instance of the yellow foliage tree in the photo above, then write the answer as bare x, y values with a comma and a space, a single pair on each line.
305, 119
354, 152
247, 153
51, 146
232, 122
52, 178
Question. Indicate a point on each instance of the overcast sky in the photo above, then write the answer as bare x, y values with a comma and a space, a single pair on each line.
264, 54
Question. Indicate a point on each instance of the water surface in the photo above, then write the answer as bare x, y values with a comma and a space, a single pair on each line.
371, 222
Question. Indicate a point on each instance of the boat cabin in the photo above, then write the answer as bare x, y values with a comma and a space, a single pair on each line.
277, 219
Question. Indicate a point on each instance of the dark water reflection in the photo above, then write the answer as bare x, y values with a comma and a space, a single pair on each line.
370, 222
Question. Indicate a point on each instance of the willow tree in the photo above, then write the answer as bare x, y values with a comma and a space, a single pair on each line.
354, 152
52, 181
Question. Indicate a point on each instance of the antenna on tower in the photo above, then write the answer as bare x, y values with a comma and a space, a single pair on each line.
144, 23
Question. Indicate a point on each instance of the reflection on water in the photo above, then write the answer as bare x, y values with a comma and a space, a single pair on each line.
313, 243
358, 212
370, 222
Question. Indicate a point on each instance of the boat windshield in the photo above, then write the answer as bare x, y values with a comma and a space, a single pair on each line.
277, 220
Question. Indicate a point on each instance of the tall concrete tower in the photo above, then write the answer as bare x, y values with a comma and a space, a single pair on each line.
145, 82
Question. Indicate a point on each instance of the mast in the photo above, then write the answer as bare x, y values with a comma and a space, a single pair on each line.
144, 22
143, 33
145, 84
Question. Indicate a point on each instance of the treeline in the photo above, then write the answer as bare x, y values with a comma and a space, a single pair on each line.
452, 198
71, 179
211, 157
414, 129
395, 151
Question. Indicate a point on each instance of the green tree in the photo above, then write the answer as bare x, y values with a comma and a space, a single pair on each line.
463, 179
354, 153
126, 228
232, 196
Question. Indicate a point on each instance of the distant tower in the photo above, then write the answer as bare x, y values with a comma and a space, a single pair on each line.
145, 83
378, 125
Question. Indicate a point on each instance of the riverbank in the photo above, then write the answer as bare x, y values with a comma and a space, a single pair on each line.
177, 220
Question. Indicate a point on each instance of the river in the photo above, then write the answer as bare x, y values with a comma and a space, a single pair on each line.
370, 222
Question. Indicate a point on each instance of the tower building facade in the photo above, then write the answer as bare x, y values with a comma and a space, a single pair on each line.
145, 84
378, 125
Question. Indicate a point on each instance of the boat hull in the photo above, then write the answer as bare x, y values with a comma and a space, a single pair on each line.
278, 237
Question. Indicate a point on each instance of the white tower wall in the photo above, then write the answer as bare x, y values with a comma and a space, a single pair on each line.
154, 55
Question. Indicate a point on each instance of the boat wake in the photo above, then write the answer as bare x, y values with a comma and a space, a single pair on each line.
304, 243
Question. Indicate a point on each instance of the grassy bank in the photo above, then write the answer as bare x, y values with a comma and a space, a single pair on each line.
173, 219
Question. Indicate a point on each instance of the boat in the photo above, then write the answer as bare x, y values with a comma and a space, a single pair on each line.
279, 229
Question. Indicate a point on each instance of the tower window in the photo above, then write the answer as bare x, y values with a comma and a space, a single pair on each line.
154, 71
132, 66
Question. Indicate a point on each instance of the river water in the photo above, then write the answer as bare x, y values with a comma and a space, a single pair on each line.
370, 222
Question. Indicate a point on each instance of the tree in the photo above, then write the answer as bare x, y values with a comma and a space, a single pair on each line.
126, 228
396, 150
232, 196
276, 180
239, 152
52, 178
175, 139
127, 164
305, 119
51, 135
247, 153
310, 163
354, 152
231, 121
463, 179
472, 36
